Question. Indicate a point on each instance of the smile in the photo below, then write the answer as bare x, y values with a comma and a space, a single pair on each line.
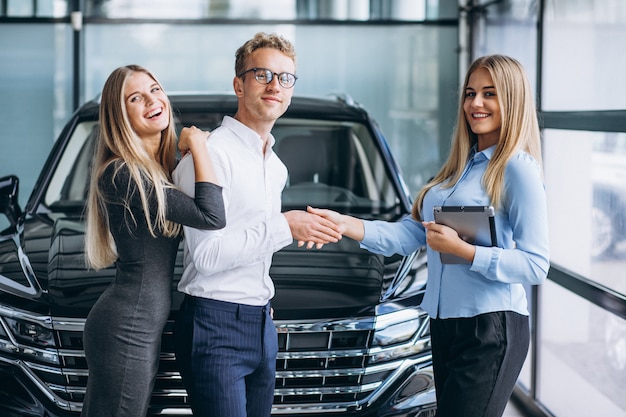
154, 113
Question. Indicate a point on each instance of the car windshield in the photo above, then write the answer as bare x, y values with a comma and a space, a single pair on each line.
331, 164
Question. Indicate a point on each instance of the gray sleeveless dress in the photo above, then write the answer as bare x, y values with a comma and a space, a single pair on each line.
123, 329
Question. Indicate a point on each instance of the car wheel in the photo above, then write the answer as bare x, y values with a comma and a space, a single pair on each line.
603, 232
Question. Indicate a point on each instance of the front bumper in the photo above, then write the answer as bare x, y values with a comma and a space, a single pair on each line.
412, 396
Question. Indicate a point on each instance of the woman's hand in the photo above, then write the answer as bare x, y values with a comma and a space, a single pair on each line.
331, 215
445, 239
191, 140
194, 141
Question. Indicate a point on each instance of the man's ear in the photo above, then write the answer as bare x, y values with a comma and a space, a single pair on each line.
238, 86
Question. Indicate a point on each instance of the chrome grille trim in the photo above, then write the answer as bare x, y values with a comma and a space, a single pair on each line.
44, 368
345, 406
294, 326
56, 370
71, 353
327, 390
324, 334
405, 364
68, 324
339, 372
69, 390
43, 387
322, 354
16, 313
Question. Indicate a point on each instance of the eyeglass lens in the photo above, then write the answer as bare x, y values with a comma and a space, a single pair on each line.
266, 76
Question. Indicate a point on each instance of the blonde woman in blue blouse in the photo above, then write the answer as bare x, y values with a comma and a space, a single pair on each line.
478, 311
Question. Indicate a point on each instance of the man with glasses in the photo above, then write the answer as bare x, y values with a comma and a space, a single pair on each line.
226, 340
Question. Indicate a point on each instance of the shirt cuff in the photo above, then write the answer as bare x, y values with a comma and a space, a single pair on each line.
370, 234
482, 260
280, 231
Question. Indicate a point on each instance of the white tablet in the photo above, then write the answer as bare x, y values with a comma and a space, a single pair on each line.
474, 224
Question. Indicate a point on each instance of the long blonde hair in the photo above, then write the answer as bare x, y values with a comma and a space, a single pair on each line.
519, 130
119, 144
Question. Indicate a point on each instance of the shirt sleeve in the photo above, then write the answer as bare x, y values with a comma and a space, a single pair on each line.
386, 238
526, 212
216, 251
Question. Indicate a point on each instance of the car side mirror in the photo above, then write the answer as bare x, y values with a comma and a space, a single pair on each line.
9, 205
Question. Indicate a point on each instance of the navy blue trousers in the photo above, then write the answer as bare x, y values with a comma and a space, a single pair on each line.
476, 362
227, 356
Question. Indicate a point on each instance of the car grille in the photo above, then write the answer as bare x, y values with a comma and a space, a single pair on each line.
321, 367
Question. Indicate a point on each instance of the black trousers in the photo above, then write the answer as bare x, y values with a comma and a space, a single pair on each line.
476, 362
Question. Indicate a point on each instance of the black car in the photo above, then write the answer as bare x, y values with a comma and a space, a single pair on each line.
352, 338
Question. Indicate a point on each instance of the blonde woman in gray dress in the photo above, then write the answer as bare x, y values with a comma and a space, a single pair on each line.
134, 217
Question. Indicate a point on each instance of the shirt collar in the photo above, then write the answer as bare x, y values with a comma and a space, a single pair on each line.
484, 154
244, 132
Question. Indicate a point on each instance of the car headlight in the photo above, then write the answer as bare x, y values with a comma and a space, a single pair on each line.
30, 333
27, 339
397, 333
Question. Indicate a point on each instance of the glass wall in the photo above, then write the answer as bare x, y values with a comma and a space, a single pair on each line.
578, 361
588, 226
582, 350
403, 72
584, 60
395, 72
509, 28
407, 10
33, 8
35, 87
584, 343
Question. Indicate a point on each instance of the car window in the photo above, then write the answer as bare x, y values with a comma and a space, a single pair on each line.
331, 164
334, 165
70, 180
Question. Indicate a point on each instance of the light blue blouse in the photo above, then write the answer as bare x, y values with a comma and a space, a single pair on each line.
495, 279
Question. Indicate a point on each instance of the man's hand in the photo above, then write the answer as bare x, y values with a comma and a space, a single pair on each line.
311, 228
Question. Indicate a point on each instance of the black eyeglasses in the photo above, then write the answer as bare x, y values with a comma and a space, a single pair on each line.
265, 76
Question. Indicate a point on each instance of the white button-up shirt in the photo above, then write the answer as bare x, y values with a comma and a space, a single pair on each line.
232, 264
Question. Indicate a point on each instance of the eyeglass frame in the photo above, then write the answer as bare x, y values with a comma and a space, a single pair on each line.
270, 79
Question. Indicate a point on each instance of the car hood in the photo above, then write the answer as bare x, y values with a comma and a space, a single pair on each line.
336, 281
340, 280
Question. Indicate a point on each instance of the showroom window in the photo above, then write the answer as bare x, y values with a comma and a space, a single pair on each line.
582, 342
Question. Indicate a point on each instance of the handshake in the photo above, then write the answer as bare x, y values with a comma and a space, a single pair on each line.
317, 227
